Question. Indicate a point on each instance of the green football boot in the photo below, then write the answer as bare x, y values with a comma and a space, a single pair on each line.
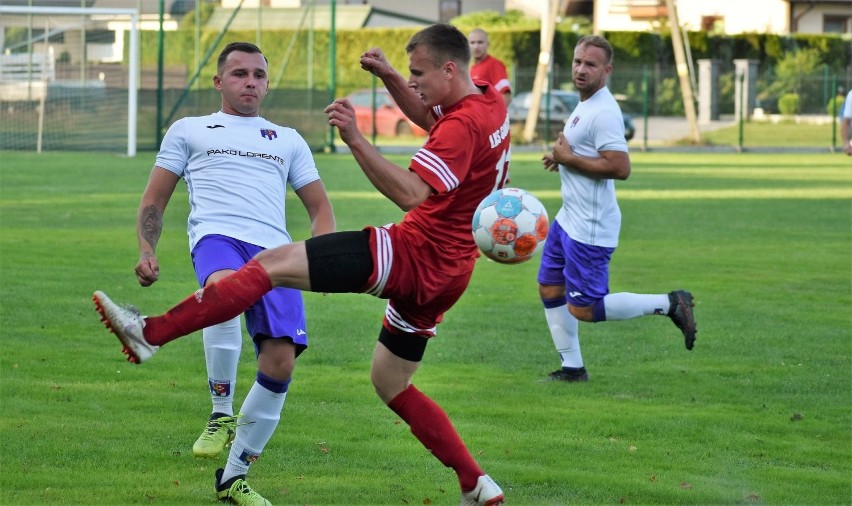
219, 433
237, 491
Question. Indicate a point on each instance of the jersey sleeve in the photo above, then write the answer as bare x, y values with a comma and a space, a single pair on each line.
609, 131
443, 162
501, 82
303, 169
174, 154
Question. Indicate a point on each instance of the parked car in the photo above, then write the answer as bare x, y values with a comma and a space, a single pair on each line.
389, 118
562, 104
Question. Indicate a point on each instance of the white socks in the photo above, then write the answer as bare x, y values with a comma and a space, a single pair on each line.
261, 412
619, 306
565, 335
624, 305
222, 344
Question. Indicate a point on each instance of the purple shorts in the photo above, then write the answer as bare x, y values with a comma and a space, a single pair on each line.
582, 269
279, 314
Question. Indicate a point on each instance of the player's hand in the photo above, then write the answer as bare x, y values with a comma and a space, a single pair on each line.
562, 151
341, 114
374, 61
549, 163
147, 269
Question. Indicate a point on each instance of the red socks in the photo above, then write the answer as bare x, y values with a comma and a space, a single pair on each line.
431, 425
216, 303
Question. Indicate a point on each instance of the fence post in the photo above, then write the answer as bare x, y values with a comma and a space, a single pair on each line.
708, 91
834, 105
645, 107
741, 111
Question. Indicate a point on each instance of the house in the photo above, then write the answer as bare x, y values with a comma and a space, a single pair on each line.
104, 37
728, 16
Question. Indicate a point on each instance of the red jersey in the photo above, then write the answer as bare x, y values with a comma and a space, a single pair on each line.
492, 71
424, 264
465, 158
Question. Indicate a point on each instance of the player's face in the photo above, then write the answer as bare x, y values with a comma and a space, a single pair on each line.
590, 70
429, 80
243, 83
478, 45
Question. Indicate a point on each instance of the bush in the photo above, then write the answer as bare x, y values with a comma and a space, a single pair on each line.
835, 105
788, 104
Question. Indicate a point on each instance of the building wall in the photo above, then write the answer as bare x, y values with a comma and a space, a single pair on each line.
735, 16
425, 9
810, 18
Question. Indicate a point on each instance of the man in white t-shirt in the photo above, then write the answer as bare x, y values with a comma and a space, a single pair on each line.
589, 155
237, 166
846, 124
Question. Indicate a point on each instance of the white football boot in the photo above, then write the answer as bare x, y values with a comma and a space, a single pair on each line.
486, 493
127, 324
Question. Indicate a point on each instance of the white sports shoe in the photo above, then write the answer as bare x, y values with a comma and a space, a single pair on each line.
486, 493
127, 324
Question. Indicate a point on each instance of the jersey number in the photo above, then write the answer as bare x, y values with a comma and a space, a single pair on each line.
502, 171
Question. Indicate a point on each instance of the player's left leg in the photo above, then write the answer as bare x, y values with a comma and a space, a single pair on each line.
396, 358
259, 417
281, 312
676, 305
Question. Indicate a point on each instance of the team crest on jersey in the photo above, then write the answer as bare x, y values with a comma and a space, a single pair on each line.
248, 458
268, 133
575, 121
220, 388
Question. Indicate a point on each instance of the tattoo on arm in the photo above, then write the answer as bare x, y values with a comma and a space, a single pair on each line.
151, 225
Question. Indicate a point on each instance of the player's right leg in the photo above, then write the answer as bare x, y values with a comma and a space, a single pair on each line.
286, 265
230, 297
222, 344
128, 325
563, 326
214, 257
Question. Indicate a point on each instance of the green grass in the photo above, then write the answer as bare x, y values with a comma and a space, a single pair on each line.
757, 413
785, 134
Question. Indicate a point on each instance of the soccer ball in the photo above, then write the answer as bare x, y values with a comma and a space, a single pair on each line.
510, 226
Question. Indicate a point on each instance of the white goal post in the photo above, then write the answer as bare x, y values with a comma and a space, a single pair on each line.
26, 79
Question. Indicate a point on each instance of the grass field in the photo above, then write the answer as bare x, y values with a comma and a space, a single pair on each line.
758, 413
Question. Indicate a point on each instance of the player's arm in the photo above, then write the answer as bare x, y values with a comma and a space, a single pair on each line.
402, 187
846, 134
409, 102
149, 222
316, 202
609, 164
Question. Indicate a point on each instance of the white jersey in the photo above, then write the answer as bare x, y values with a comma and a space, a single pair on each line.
237, 170
590, 212
847, 106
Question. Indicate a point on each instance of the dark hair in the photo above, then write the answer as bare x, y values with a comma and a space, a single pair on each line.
599, 42
243, 47
444, 42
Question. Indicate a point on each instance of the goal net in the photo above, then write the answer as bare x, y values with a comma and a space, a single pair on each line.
68, 78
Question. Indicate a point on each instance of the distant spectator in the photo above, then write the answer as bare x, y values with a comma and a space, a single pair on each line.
846, 124
487, 68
